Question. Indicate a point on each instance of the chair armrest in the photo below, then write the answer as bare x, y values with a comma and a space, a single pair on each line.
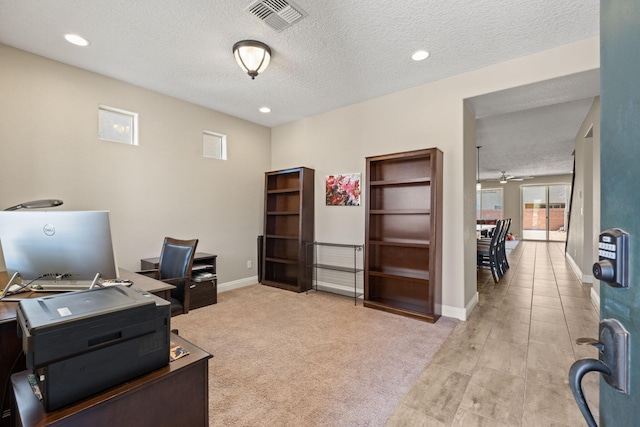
174, 280
154, 273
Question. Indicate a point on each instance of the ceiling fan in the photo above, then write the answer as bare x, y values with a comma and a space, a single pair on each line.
504, 178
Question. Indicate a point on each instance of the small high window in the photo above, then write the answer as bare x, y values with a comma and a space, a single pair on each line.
117, 125
214, 145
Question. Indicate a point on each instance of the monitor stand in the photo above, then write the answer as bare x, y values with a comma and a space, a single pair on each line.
12, 281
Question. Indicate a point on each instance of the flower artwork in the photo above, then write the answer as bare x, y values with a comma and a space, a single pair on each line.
343, 190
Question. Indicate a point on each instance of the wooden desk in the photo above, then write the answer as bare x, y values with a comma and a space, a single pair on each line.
10, 344
175, 395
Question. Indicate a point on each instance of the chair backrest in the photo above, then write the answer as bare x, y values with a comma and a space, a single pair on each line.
506, 228
176, 258
497, 232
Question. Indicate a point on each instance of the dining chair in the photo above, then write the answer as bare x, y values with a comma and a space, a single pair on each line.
487, 252
502, 252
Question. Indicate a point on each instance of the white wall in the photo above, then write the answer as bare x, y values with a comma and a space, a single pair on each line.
163, 187
425, 116
470, 251
585, 223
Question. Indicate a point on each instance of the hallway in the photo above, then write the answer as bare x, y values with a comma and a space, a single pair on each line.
508, 364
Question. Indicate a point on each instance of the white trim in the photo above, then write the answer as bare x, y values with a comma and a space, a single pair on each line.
236, 284
595, 299
460, 313
132, 136
211, 149
574, 267
447, 311
586, 278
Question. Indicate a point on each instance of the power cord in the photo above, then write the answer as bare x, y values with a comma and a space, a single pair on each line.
5, 389
22, 287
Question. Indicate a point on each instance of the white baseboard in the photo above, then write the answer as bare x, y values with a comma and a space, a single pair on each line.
584, 278
240, 283
576, 270
460, 313
447, 311
595, 299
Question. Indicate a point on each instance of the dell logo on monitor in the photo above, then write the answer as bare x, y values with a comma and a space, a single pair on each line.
49, 230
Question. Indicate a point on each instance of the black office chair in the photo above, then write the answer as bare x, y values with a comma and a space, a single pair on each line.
174, 268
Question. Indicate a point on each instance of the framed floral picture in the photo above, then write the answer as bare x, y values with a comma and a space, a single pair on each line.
343, 190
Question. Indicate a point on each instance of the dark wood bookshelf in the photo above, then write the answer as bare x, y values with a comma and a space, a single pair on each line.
403, 234
288, 227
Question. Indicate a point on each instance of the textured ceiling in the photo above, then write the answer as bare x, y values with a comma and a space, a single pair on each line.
341, 53
531, 130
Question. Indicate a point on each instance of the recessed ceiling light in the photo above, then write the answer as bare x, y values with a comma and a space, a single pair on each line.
265, 110
76, 39
420, 55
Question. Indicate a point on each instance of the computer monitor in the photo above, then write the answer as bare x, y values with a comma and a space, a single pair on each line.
58, 246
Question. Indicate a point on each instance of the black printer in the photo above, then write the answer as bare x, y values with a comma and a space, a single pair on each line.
81, 343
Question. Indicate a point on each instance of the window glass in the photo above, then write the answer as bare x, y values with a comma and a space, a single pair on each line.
117, 125
214, 145
489, 203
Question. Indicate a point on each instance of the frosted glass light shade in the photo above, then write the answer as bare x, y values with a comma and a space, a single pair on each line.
252, 56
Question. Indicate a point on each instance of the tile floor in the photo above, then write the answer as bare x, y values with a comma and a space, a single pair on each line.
507, 365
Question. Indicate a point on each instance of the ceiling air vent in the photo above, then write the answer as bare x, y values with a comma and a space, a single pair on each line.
278, 14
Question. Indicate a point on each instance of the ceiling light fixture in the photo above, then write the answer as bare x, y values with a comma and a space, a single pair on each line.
478, 185
76, 40
420, 55
265, 110
252, 56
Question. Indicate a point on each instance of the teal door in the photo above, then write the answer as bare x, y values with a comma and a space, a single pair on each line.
620, 187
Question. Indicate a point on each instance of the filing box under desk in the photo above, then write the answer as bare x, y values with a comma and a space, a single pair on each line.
203, 293
80, 343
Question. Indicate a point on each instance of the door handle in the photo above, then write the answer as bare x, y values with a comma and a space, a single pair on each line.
612, 363
577, 371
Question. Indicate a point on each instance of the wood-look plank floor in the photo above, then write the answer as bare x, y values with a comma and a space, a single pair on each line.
508, 364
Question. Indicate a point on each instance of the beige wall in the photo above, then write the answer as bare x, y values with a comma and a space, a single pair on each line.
583, 235
163, 187
425, 116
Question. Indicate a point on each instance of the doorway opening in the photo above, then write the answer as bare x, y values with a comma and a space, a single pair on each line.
545, 212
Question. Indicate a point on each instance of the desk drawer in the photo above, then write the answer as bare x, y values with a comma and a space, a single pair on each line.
203, 293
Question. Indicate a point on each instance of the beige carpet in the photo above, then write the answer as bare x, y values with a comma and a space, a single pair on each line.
310, 359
